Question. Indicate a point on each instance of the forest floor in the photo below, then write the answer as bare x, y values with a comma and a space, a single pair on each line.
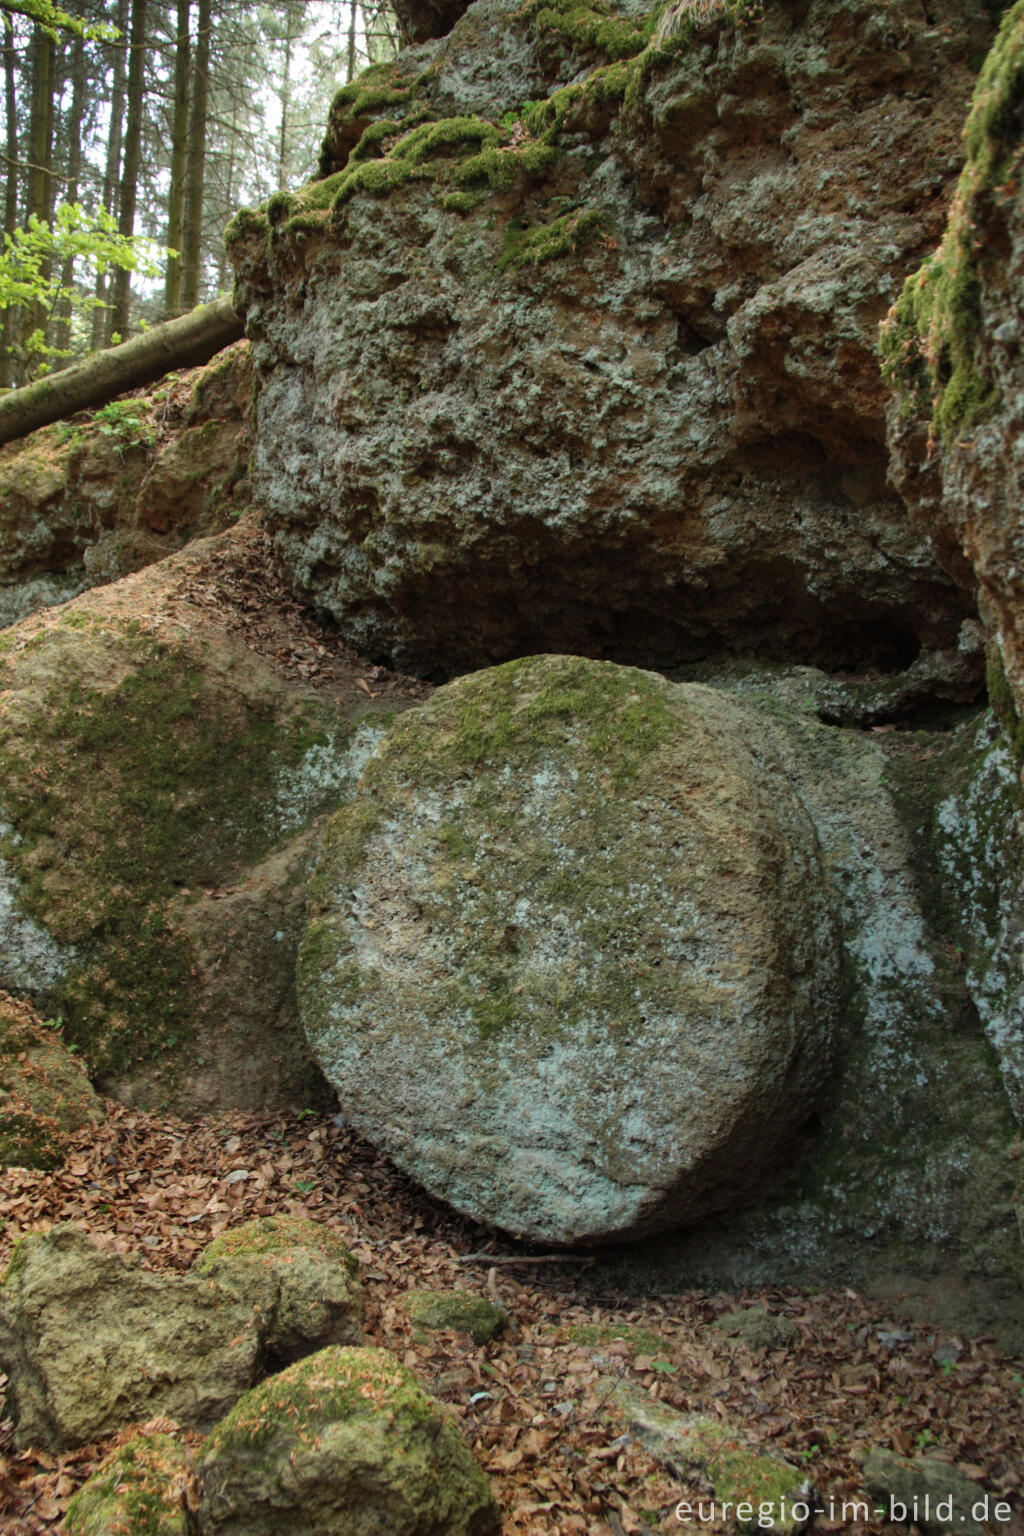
534, 1402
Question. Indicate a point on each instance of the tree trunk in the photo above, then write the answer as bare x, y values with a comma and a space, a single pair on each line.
179, 160
351, 61
10, 190
192, 235
40, 154
182, 343
132, 160
62, 333
101, 326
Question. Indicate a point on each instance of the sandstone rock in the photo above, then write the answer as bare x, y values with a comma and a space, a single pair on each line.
603, 378
159, 778
90, 500
953, 346
763, 1492
570, 959
461, 1310
91, 1343
44, 1092
343, 1441
141, 1487
302, 1277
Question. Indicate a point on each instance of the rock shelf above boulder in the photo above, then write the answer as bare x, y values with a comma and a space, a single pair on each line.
571, 962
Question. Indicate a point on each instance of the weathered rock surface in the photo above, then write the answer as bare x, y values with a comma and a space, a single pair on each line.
159, 774
954, 356
343, 1441
463, 1311
760, 1489
575, 348
570, 959
44, 1092
935, 1495
91, 500
139, 1488
91, 1343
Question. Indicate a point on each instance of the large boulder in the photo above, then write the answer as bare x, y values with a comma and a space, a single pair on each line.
44, 1092
344, 1441
110, 492
91, 1342
570, 958
954, 349
574, 347
160, 770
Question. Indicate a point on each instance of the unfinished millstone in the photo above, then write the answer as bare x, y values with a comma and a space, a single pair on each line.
343, 1441
570, 959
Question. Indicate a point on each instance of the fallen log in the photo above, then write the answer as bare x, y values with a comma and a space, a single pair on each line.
182, 343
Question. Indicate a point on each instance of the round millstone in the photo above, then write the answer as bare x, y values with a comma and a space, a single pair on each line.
570, 959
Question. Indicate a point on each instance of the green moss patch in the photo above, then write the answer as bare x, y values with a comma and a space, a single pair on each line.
132, 778
460, 1310
929, 343
276, 1237
138, 1489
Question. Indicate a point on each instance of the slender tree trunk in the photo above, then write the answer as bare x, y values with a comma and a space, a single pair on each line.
40, 191
192, 233
182, 343
62, 331
101, 326
10, 190
229, 198
286, 102
179, 159
352, 41
132, 160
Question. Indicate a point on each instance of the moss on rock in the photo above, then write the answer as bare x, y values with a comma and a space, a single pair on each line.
460, 1310
136, 1491
44, 1092
929, 343
346, 1437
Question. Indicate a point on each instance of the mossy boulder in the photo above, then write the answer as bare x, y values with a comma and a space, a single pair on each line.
762, 1492
44, 1092
560, 353
157, 780
92, 1342
570, 959
303, 1278
953, 349
461, 1310
140, 1489
345, 1440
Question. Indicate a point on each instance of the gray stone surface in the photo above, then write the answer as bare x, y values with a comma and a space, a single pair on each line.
570, 960
666, 441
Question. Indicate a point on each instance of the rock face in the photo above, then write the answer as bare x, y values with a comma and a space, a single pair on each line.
158, 778
343, 1441
954, 356
90, 1343
574, 348
91, 500
44, 1092
570, 958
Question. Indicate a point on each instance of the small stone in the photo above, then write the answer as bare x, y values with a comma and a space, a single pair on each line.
930, 1493
757, 1328
457, 1309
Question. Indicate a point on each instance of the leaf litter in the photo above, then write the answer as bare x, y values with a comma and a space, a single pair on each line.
535, 1403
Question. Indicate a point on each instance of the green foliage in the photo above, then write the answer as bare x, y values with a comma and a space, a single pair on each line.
33, 259
53, 20
126, 420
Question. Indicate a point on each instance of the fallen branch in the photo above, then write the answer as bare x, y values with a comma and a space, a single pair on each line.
547, 1258
182, 343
